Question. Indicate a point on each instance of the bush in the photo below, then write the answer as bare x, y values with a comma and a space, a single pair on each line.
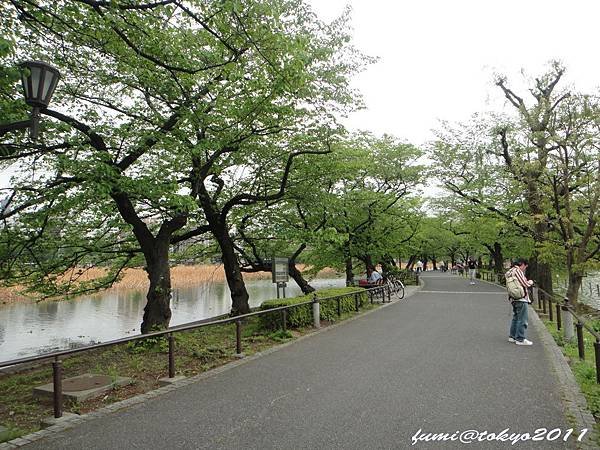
408, 277
301, 316
157, 344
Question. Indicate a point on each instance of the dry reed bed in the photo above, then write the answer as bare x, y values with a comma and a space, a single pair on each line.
181, 277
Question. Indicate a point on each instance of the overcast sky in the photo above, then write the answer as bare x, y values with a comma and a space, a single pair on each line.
438, 57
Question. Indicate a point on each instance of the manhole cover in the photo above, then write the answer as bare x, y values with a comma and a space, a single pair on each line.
85, 382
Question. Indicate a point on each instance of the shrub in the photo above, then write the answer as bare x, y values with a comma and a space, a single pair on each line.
302, 315
157, 344
408, 277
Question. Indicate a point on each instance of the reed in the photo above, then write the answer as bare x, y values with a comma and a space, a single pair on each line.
181, 276
11, 295
184, 276
136, 278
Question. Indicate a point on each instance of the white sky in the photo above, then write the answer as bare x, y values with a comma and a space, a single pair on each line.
438, 57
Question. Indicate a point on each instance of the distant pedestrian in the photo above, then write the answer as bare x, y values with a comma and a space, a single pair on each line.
419, 266
472, 265
518, 286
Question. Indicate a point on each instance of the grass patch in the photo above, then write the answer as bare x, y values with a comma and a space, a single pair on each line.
583, 370
145, 361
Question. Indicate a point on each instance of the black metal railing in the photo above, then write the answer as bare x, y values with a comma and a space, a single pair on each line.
383, 292
558, 304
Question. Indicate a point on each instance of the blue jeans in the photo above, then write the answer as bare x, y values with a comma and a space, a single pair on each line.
518, 325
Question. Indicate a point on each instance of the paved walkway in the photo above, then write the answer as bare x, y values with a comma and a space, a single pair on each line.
438, 361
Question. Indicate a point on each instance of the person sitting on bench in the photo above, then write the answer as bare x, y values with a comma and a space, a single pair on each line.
374, 277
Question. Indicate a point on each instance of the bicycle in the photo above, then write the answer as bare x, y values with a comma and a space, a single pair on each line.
396, 285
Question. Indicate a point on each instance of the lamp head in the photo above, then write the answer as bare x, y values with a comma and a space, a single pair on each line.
39, 81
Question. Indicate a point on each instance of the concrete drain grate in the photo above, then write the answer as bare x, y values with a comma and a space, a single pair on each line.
82, 387
85, 383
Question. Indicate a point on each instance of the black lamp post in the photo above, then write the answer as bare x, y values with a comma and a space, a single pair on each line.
39, 81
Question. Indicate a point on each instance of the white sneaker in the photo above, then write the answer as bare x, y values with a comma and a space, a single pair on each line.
511, 339
524, 342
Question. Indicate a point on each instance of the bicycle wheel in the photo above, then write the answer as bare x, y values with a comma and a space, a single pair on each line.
400, 289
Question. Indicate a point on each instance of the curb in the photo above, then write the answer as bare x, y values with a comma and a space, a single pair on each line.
574, 403
51, 433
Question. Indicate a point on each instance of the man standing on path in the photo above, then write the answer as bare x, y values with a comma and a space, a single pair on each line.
518, 325
472, 265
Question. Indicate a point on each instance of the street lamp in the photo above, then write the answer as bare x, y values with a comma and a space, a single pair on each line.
39, 81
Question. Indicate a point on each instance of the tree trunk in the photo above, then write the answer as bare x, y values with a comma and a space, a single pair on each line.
541, 273
498, 258
575, 278
411, 262
452, 255
231, 265
388, 261
157, 312
299, 279
348, 264
349, 272
386, 265
233, 274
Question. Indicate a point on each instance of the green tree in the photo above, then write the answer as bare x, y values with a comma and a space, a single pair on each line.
172, 115
544, 161
370, 186
526, 156
574, 183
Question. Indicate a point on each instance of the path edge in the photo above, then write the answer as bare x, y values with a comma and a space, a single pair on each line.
52, 432
573, 401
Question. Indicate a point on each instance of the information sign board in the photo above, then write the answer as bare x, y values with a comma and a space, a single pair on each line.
280, 270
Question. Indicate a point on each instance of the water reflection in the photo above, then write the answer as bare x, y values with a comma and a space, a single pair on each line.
32, 328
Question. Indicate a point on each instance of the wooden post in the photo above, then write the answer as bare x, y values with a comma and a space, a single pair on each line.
171, 355
580, 341
238, 337
57, 380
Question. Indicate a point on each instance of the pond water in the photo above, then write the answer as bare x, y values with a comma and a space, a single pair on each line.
589, 292
28, 329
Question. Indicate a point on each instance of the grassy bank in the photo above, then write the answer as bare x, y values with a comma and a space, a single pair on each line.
195, 352
583, 370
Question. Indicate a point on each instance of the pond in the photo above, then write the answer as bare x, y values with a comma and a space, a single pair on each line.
589, 292
28, 329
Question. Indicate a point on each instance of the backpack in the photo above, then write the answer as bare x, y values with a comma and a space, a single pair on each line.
514, 288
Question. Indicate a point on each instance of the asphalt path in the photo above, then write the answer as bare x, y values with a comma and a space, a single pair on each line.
438, 362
